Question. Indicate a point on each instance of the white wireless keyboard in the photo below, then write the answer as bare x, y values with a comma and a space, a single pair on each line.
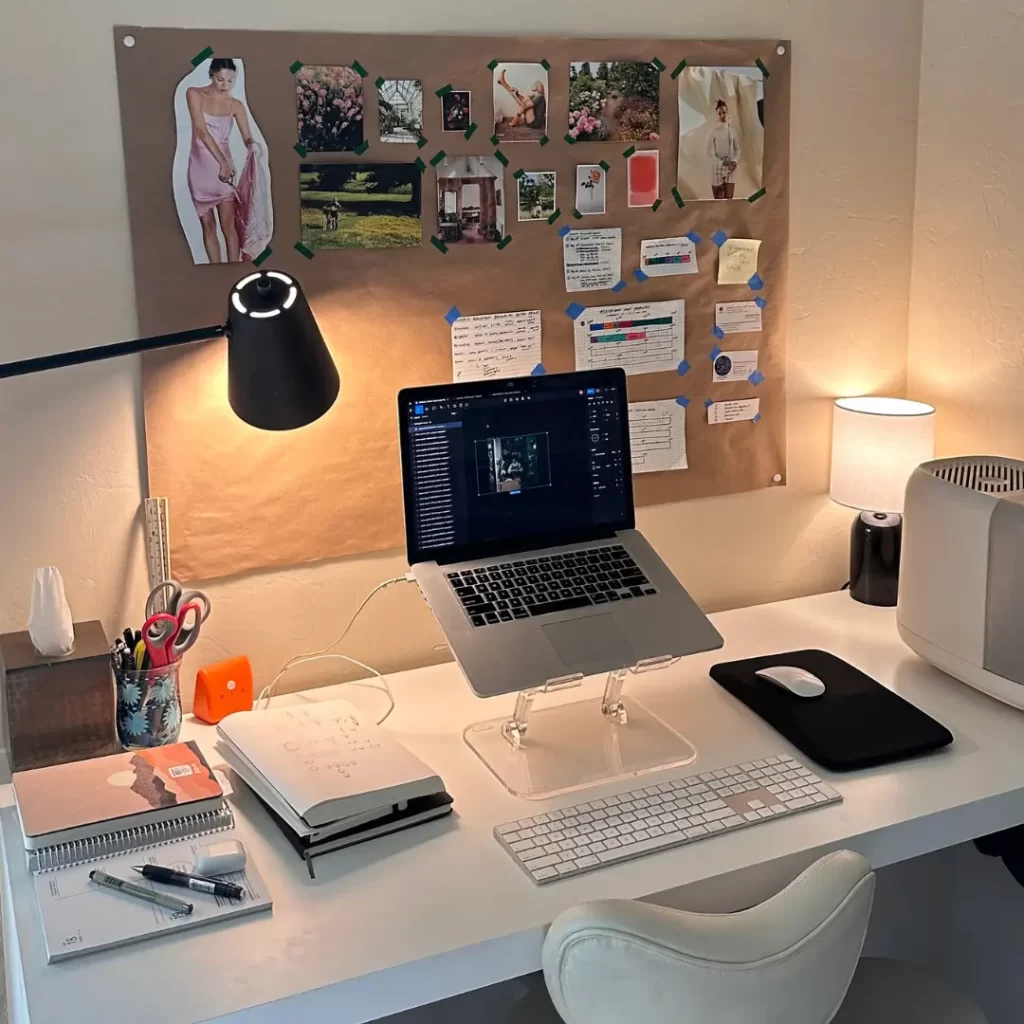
589, 835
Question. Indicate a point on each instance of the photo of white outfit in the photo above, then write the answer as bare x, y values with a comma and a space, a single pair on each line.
723, 149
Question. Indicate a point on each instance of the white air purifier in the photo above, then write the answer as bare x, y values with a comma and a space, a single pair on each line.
961, 590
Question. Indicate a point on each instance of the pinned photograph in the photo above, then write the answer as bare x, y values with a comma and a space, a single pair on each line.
614, 101
401, 110
591, 189
520, 102
329, 102
360, 206
456, 111
721, 132
642, 171
221, 170
470, 200
536, 195
508, 465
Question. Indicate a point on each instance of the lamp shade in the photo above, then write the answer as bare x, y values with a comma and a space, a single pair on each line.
876, 444
280, 372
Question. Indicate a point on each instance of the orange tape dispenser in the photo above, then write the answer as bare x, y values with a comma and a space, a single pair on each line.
222, 689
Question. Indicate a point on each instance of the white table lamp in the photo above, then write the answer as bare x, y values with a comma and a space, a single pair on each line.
876, 444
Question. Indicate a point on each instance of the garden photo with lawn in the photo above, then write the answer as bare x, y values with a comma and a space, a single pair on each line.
360, 206
617, 101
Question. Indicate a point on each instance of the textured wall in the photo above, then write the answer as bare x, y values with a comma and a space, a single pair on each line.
70, 442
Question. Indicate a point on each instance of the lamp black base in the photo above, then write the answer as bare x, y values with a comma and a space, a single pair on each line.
875, 542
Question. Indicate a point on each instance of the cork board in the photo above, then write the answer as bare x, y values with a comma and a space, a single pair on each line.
242, 499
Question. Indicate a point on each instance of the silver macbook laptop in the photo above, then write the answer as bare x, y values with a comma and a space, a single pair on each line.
520, 531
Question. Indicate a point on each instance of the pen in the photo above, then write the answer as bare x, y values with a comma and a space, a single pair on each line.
140, 892
197, 883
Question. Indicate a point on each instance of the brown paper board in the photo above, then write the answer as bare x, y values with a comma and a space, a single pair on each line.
242, 499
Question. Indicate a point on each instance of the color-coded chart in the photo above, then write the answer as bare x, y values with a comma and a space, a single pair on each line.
641, 337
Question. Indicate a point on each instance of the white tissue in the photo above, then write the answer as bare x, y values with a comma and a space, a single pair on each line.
50, 624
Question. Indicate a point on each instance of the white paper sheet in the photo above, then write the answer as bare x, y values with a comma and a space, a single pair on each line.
733, 412
641, 337
731, 367
657, 436
496, 345
737, 260
737, 317
592, 259
663, 257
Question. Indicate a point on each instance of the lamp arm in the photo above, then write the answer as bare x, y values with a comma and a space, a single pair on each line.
121, 348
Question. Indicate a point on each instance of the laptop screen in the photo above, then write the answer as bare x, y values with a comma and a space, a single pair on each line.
496, 466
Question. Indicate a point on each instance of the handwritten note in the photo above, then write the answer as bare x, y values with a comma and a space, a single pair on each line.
662, 257
495, 345
641, 337
657, 436
737, 260
733, 412
731, 367
592, 259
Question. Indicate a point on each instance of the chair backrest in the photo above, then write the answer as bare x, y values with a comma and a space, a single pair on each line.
789, 959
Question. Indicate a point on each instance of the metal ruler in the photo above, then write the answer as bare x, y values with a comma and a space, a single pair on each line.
158, 544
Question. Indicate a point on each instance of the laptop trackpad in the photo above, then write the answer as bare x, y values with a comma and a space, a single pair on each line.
593, 638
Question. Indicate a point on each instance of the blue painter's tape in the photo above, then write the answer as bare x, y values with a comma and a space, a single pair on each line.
756, 418
538, 370
756, 378
573, 310
719, 238
683, 401
618, 287
694, 237
760, 303
683, 368
714, 353
718, 332
640, 275
452, 315
708, 402
564, 230
755, 283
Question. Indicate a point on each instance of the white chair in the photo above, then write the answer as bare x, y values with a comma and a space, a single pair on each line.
793, 959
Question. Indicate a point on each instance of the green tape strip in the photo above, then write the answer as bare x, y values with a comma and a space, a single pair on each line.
605, 166
764, 70
544, 140
201, 56
504, 241
495, 141
678, 69
576, 213
304, 250
545, 65
501, 156
296, 67
627, 153
421, 142
468, 133
677, 197
655, 205
518, 174
438, 244
492, 65
300, 149
568, 138
757, 195
437, 157
262, 256
359, 68
443, 91
380, 81
362, 147
554, 216
657, 63
420, 164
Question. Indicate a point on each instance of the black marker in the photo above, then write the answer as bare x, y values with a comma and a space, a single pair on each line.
197, 883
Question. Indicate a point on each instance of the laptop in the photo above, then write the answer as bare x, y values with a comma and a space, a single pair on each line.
520, 531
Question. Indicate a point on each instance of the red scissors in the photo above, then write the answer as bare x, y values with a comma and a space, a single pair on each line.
167, 637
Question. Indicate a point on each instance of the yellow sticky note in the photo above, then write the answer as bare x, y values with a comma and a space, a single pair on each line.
737, 260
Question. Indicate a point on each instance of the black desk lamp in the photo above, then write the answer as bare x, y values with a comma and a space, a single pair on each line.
280, 372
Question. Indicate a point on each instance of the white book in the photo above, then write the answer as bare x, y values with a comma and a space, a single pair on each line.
326, 761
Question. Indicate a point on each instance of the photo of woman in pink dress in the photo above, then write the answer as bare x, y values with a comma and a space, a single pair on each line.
229, 192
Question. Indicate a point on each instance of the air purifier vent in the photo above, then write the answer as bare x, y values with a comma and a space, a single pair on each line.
986, 475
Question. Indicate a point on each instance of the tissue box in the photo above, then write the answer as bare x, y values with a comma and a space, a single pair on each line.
57, 709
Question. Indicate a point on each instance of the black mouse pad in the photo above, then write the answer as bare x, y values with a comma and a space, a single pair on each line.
855, 723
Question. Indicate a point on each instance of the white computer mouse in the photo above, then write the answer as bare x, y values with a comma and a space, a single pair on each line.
797, 681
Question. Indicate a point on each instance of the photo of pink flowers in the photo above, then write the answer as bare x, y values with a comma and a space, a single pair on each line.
614, 101
329, 102
455, 111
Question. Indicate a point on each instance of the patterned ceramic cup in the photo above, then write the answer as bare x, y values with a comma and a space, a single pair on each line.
148, 707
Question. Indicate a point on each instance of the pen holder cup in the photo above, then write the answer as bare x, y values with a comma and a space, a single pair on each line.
148, 706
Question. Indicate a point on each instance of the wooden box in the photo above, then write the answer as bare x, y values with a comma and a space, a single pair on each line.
57, 709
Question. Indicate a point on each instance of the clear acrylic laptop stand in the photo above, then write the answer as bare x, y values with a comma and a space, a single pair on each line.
542, 752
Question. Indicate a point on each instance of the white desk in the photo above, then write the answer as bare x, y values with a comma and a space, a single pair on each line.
441, 909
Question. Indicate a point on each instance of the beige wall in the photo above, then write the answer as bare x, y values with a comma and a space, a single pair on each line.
71, 452
966, 338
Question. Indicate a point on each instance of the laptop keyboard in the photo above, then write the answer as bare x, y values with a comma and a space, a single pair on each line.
506, 591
